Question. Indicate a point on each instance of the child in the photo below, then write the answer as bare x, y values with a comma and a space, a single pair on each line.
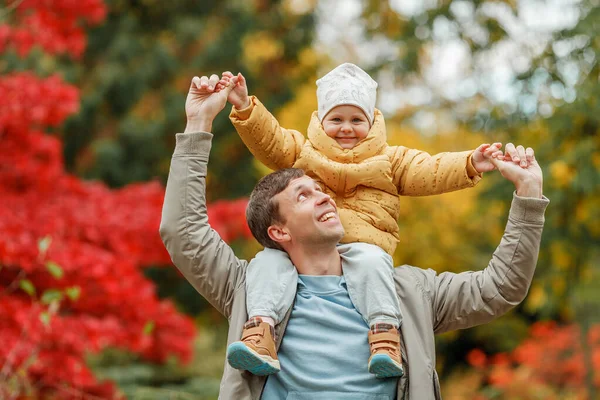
347, 154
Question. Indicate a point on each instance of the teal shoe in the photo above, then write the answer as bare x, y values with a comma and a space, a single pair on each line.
383, 366
242, 357
386, 359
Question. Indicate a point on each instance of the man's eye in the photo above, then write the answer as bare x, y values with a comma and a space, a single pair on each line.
301, 197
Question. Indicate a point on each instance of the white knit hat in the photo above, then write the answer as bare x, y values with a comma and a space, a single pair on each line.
346, 84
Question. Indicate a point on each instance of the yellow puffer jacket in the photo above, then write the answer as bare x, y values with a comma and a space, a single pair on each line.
364, 181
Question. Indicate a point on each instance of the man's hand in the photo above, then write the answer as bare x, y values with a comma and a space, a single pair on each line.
206, 99
515, 154
483, 154
527, 179
238, 97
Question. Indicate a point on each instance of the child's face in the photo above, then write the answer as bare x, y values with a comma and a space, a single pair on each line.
347, 124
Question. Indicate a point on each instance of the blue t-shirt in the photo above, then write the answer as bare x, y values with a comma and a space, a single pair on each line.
325, 350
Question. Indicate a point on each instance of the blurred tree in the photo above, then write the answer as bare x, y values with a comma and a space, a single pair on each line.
552, 363
136, 71
70, 250
134, 77
503, 81
546, 96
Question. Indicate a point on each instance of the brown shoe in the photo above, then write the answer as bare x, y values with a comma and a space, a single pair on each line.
256, 351
385, 360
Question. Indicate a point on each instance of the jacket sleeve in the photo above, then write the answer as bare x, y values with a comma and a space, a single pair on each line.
271, 144
205, 260
416, 173
472, 298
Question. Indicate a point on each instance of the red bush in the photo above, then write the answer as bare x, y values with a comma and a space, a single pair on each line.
70, 250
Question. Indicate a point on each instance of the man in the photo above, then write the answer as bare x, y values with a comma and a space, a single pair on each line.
433, 303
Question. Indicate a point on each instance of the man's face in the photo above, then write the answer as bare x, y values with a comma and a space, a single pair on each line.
310, 215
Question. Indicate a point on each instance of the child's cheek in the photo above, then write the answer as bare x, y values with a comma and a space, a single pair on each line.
330, 132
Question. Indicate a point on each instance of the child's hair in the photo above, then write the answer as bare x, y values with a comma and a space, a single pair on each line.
346, 84
262, 210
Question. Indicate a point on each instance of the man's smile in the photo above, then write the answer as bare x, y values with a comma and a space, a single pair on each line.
327, 216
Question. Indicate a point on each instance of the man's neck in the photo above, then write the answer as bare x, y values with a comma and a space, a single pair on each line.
316, 260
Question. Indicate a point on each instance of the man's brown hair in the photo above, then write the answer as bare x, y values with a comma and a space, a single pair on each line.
262, 210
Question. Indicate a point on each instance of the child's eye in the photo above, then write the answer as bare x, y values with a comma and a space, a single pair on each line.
357, 120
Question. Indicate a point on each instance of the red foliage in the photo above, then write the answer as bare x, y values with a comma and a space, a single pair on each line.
229, 219
98, 237
54, 25
476, 358
551, 355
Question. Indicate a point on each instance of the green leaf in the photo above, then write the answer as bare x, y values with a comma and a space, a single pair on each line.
51, 295
149, 327
44, 244
27, 287
45, 318
73, 292
54, 269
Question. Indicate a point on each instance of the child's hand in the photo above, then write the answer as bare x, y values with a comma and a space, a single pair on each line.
482, 154
239, 95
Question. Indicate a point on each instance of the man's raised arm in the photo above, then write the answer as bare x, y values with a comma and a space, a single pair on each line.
472, 298
206, 261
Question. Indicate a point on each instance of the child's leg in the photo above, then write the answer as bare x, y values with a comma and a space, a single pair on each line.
368, 271
369, 274
271, 282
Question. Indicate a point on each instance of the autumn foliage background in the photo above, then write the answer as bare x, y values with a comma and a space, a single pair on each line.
92, 93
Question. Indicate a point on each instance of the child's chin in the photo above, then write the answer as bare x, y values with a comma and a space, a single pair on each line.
346, 146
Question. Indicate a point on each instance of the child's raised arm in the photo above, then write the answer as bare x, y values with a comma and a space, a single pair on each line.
416, 173
272, 145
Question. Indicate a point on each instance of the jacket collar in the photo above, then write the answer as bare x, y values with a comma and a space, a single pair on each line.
370, 146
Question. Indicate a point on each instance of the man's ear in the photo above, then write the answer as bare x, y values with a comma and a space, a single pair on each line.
278, 234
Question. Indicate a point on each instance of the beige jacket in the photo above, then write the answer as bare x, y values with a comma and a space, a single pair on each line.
364, 181
431, 302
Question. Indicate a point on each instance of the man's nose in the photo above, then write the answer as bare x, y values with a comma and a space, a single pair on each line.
323, 198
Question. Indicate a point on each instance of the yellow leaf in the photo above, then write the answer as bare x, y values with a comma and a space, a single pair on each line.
561, 173
536, 299
596, 160
297, 113
260, 168
259, 48
582, 211
308, 58
558, 285
560, 256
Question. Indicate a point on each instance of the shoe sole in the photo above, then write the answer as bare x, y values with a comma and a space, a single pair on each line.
242, 357
383, 366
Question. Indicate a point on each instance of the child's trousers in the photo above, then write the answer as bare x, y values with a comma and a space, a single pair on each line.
271, 282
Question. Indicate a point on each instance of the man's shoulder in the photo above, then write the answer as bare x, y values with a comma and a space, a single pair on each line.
411, 280
406, 271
